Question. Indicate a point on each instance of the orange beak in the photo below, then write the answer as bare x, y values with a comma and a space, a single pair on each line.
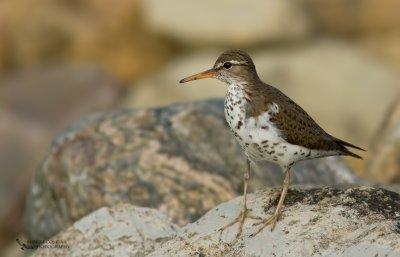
202, 75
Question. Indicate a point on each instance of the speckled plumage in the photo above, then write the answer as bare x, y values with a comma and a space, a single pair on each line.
268, 125
259, 137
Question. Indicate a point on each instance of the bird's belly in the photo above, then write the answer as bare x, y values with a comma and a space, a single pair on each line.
260, 146
261, 140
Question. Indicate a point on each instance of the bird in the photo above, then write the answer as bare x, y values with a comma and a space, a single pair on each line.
269, 127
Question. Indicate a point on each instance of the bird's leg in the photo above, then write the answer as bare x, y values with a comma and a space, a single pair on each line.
274, 218
244, 213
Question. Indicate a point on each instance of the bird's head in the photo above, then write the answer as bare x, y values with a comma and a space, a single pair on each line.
232, 66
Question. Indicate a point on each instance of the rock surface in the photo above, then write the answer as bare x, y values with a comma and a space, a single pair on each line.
198, 22
179, 159
393, 187
386, 47
315, 222
123, 230
384, 161
354, 222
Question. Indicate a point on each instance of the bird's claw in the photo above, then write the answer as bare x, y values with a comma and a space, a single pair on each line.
244, 214
264, 223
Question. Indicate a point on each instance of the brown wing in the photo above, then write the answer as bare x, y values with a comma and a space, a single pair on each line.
299, 128
296, 126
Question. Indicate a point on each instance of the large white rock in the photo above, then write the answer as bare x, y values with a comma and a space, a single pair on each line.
355, 222
123, 230
317, 222
343, 88
227, 21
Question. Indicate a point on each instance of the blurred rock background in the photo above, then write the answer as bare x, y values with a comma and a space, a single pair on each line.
61, 60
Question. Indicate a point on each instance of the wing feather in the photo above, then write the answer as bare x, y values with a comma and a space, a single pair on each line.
296, 126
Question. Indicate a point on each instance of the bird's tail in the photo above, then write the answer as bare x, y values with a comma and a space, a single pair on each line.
346, 151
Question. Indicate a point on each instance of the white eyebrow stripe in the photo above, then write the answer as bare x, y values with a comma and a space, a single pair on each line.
237, 62
232, 61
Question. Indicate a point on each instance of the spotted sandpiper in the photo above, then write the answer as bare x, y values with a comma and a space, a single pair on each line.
268, 125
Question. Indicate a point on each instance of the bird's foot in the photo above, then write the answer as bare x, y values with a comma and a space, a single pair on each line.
265, 222
244, 214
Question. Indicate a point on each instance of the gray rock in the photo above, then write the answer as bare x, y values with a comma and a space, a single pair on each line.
179, 159
356, 222
236, 22
123, 230
393, 187
384, 162
355, 18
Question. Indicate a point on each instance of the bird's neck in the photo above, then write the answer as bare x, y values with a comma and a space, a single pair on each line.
246, 77
247, 85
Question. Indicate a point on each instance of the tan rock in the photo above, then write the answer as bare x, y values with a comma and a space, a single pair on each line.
385, 47
80, 31
355, 17
231, 22
384, 162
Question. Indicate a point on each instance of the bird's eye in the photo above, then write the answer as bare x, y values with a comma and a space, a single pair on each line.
227, 65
